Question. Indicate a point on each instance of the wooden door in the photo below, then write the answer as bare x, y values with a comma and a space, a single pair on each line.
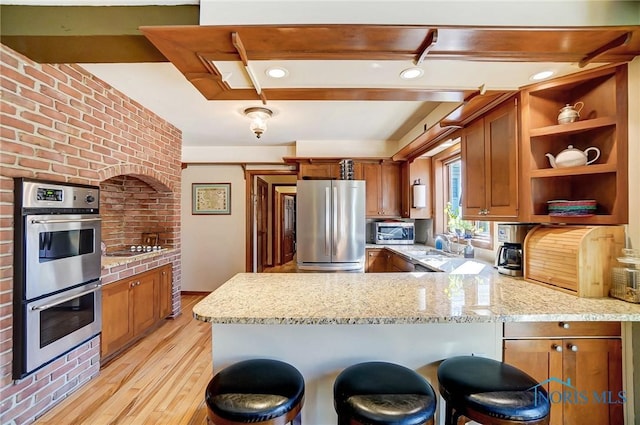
540, 359
391, 194
596, 369
474, 170
166, 291
320, 171
117, 323
501, 149
376, 261
288, 228
262, 224
145, 310
371, 173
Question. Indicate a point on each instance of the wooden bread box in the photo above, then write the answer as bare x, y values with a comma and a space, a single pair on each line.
573, 259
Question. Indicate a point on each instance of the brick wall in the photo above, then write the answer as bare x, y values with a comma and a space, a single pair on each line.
58, 122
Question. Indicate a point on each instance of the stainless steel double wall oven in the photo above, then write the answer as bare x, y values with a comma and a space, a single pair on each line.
57, 287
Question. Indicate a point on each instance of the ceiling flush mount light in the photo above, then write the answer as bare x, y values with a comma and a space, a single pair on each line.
541, 75
277, 72
259, 117
411, 73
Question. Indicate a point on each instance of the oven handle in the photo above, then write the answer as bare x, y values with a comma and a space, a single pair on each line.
65, 220
65, 299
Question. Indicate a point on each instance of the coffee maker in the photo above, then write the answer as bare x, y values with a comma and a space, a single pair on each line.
511, 239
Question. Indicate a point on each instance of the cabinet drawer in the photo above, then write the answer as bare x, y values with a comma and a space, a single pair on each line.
561, 329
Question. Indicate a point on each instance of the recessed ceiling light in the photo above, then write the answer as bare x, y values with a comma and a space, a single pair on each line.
541, 75
277, 72
411, 73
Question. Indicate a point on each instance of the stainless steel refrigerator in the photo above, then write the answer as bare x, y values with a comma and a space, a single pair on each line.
330, 225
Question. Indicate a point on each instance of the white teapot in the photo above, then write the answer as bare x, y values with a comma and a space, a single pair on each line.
572, 157
570, 113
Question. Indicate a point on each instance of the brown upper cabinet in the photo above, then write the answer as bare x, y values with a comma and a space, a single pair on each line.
325, 170
602, 124
490, 165
384, 189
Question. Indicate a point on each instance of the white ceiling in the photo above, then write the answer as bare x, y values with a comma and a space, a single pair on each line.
164, 90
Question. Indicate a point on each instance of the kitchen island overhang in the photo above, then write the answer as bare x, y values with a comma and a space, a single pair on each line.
322, 323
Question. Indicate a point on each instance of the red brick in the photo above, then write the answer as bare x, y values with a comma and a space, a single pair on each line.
19, 124
68, 111
8, 85
37, 118
80, 124
67, 129
7, 133
55, 135
72, 72
36, 97
33, 163
55, 73
12, 74
54, 94
50, 155
63, 169
52, 113
66, 148
18, 148
70, 91
16, 100
39, 75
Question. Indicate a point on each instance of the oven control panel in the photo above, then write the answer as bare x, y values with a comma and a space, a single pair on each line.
49, 194
68, 197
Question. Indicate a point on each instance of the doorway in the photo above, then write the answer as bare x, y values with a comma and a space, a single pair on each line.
265, 225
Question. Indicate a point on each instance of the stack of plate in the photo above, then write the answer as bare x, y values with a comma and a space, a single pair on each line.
564, 208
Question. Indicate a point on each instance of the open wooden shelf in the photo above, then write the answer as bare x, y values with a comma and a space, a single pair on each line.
573, 127
574, 171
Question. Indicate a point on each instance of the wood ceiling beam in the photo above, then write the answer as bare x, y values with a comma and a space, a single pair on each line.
429, 42
89, 34
623, 40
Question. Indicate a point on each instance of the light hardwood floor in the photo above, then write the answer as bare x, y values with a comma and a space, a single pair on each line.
160, 380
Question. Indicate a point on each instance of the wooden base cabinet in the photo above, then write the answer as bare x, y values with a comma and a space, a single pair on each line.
376, 260
380, 260
579, 364
132, 306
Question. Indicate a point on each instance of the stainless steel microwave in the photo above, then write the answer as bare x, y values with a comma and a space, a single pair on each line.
394, 233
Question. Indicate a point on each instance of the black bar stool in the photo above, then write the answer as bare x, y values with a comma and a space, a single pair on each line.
258, 391
491, 392
381, 393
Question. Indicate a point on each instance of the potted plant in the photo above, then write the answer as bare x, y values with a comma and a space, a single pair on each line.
457, 225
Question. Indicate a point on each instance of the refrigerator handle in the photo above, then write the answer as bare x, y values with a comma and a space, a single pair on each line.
334, 236
327, 221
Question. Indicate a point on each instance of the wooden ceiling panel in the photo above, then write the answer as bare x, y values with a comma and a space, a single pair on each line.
192, 49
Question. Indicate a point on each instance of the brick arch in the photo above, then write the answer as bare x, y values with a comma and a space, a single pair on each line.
154, 179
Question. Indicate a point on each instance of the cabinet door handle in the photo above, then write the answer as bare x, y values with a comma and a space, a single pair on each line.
572, 347
564, 325
556, 347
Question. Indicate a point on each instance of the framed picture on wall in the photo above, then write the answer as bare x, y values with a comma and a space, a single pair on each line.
211, 198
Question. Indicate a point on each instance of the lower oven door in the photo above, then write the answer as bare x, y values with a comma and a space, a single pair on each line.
57, 324
61, 251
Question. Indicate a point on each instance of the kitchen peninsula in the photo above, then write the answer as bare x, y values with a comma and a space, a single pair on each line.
322, 323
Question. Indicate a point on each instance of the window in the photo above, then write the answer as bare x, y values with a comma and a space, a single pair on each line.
449, 197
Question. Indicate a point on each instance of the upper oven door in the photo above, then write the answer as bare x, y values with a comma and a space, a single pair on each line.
61, 251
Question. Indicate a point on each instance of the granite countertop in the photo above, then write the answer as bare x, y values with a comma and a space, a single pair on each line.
439, 261
398, 298
109, 261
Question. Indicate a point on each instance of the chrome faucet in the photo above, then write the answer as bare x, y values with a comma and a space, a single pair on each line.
444, 241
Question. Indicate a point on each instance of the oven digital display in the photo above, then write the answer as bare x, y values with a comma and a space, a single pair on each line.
48, 194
